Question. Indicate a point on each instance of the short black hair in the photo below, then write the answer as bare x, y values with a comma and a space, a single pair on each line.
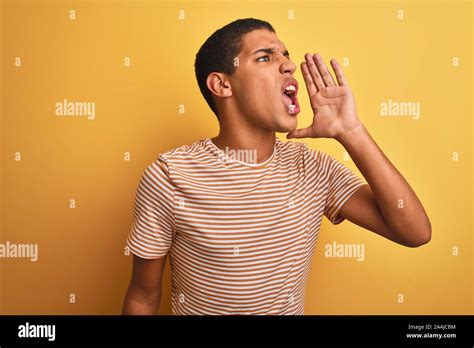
219, 50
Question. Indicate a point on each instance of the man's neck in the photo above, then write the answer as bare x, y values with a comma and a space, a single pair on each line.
262, 143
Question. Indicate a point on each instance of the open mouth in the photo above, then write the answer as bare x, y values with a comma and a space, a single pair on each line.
290, 98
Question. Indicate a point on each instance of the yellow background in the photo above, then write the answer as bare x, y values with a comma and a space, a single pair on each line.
81, 250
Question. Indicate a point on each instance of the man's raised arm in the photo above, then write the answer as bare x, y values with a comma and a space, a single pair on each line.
389, 206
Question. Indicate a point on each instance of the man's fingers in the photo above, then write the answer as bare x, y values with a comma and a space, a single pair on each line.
323, 70
299, 133
312, 90
339, 74
313, 70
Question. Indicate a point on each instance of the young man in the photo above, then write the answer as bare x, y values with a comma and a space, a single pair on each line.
241, 233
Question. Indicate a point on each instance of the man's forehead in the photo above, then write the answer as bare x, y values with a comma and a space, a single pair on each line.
260, 39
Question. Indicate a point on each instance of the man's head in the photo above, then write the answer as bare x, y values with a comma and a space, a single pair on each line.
243, 68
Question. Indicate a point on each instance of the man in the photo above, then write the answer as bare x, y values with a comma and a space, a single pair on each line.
241, 233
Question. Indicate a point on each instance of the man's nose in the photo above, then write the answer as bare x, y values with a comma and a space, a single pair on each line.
287, 66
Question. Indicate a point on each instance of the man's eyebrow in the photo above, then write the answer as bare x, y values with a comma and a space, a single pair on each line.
270, 51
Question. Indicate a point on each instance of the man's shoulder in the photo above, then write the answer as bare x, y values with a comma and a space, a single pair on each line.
296, 150
300, 153
292, 145
183, 152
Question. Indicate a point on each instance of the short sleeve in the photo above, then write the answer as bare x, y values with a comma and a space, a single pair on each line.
152, 228
341, 184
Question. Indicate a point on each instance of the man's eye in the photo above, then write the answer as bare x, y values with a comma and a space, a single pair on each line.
258, 60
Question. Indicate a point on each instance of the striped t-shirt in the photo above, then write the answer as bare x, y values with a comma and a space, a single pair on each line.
240, 236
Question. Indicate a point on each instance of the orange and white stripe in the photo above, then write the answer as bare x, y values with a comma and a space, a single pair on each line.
240, 236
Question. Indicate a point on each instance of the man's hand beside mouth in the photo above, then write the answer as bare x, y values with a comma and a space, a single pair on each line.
333, 103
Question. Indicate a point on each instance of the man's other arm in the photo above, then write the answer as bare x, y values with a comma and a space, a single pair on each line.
144, 291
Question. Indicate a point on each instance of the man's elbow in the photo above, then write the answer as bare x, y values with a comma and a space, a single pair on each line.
141, 301
423, 236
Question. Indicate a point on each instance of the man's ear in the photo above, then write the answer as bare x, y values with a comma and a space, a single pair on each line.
219, 85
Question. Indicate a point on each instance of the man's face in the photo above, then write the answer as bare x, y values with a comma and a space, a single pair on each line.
258, 83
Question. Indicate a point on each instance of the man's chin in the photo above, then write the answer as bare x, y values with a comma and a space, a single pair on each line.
287, 124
